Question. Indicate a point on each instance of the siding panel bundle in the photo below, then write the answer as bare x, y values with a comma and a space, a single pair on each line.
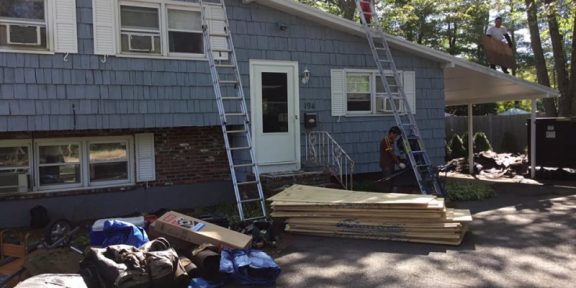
382, 216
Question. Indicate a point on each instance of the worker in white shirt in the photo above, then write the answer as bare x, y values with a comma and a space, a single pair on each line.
499, 33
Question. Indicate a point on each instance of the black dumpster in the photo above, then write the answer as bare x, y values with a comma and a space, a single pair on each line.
555, 142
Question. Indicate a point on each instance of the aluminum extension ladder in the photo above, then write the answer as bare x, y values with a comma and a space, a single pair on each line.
232, 109
426, 175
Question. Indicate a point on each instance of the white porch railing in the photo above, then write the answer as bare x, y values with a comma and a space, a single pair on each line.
322, 149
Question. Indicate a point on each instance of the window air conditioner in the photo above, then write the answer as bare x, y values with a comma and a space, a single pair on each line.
140, 43
28, 35
13, 182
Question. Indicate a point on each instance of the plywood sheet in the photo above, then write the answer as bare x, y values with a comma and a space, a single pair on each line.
498, 53
456, 241
371, 221
311, 194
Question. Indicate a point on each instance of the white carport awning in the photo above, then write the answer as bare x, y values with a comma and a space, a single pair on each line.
469, 83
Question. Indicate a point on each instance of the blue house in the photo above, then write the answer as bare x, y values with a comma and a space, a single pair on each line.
107, 107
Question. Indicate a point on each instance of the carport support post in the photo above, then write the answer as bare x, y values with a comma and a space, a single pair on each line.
470, 140
533, 140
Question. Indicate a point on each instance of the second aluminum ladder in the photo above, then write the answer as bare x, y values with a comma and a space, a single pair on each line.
425, 174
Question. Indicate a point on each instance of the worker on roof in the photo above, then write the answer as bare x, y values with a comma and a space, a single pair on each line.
365, 5
499, 33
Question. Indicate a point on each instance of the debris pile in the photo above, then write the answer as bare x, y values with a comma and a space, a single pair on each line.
491, 164
384, 216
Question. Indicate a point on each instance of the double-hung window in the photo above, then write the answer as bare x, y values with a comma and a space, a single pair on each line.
362, 93
23, 24
140, 29
185, 31
38, 26
157, 28
160, 29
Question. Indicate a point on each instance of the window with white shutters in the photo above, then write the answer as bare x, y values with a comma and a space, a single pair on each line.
156, 28
361, 93
38, 25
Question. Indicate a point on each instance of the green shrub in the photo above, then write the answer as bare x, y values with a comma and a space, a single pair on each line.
457, 147
468, 191
481, 142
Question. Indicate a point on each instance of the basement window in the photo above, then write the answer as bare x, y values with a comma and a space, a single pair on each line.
84, 163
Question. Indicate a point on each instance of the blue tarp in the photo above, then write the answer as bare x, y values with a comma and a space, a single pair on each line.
249, 267
120, 232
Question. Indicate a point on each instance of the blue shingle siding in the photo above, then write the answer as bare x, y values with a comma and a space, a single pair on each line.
44, 92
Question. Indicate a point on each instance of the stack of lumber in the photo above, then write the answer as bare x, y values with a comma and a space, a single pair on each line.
386, 216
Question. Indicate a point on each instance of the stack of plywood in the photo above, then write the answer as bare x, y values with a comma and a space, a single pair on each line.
387, 216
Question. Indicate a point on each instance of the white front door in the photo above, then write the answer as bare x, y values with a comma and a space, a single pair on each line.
275, 110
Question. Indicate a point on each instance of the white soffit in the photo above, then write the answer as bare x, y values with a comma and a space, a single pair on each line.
475, 85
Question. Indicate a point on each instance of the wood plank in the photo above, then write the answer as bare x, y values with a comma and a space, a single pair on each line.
369, 229
302, 193
370, 221
415, 240
360, 210
431, 216
435, 204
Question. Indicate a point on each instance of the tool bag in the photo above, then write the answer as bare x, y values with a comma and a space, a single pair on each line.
122, 266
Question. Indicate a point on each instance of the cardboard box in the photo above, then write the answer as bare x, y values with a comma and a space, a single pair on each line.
196, 231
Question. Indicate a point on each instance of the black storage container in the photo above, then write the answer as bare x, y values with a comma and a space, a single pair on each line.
555, 142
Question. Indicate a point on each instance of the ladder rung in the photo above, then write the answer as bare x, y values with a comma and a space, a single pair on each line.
222, 50
251, 200
235, 131
228, 81
235, 114
219, 34
243, 165
216, 19
232, 98
247, 183
240, 148
254, 218
225, 65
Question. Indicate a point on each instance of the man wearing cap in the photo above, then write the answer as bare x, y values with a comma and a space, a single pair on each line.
388, 157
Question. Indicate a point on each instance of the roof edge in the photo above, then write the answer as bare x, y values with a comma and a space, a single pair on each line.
348, 26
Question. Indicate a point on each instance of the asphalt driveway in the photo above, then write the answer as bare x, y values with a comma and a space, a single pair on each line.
524, 237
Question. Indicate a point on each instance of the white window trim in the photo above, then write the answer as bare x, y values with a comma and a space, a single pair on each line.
167, 30
130, 161
37, 164
163, 6
85, 163
48, 25
373, 95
